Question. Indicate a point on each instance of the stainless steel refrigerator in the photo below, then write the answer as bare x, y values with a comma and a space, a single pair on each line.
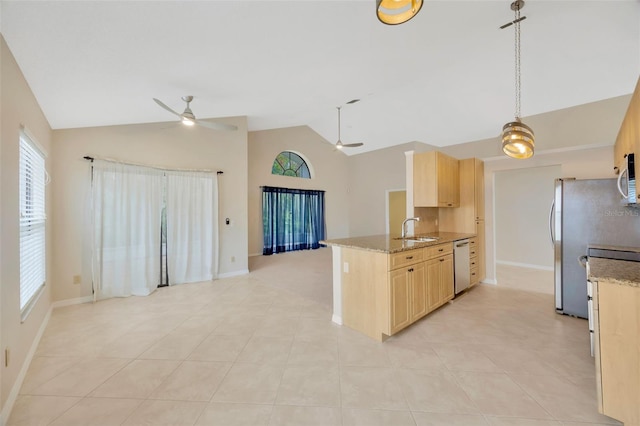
586, 212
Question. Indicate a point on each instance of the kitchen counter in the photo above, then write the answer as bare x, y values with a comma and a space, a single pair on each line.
621, 272
393, 244
615, 274
378, 290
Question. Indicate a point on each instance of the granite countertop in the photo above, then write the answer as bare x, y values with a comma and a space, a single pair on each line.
622, 272
392, 243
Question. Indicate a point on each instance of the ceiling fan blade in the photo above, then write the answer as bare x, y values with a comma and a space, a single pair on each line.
352, 145
159, 102
215, 126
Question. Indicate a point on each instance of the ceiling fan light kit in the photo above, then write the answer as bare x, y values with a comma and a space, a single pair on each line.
339, 144
517, 138
394, 12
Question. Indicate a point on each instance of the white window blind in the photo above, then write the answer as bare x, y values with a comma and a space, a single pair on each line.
32, 221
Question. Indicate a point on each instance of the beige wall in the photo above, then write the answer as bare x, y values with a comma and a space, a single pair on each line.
592, 124
169, 145
579, 140
522, 215
328, 172
18, 107
370, 175
585, 163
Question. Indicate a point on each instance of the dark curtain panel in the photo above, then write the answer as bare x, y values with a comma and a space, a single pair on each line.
293, 219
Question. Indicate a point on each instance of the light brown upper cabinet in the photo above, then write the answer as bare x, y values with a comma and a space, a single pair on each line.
436, 180
628, 139
469, 217
471, 201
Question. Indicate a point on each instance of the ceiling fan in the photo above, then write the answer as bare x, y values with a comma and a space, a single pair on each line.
341, 145
189, 119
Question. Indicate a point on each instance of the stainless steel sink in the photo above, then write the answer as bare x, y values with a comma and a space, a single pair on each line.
418, 239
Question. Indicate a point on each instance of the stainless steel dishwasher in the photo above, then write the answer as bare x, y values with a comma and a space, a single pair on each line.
462, 272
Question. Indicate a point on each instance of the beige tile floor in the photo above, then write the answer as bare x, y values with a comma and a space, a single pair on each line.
248, 351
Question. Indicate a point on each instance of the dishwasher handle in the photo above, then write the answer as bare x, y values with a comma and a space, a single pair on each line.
465, 243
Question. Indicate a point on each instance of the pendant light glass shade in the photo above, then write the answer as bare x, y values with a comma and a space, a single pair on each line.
517, 140
394, 12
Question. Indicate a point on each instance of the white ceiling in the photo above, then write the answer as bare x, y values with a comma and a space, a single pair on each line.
443, 78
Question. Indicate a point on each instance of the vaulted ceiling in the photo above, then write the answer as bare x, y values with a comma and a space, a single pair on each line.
443, 78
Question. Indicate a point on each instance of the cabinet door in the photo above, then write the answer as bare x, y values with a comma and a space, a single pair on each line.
453, 182
399, 293
446, 278
448, 181
418, 291
479, 189
425, 182
619, 334
434, 298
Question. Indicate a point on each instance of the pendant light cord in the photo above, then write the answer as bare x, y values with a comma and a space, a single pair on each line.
517, 54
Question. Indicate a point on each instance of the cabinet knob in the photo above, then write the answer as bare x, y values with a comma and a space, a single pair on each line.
440, 249
409, 257
441, 260
410, 269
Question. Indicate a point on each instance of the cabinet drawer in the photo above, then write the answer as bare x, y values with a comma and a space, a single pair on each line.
398, 260
474, 276
439, 250
473, 246
473, 262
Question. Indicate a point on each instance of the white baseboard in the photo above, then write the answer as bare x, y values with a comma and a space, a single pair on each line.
489, 281
15, 390
255, 254
69, 302
336, 319
525, 265
234, 273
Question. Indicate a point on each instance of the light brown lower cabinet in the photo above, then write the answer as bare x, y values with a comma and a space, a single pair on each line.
383, 294
617, 350
440, 281
407, 294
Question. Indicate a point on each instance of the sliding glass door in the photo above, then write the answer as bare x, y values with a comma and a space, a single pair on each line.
293, 219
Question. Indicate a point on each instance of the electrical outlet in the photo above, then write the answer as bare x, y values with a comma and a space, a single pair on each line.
6, 357
345, 267
77, 279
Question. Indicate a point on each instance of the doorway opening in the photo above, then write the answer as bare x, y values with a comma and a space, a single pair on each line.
396, 210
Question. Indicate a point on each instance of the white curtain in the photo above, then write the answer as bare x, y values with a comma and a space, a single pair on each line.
192, 222
127, 203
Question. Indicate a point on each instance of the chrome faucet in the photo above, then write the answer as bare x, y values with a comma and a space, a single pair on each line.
404, 223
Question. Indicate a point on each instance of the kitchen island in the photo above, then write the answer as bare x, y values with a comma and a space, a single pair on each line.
616, 325
382, 284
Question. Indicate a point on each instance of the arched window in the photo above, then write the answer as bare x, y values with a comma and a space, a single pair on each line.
289, 163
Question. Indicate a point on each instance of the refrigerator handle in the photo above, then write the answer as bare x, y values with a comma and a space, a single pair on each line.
551, 210
620, 182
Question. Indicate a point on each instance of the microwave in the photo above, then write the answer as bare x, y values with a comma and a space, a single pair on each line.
627, 180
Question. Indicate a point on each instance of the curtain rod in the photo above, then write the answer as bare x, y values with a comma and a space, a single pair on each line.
290, 189
89, 158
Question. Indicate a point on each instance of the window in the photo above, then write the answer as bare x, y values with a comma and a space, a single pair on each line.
32, 222
289, 163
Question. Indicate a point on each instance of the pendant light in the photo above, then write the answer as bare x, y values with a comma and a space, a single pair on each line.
517, 137
394, 12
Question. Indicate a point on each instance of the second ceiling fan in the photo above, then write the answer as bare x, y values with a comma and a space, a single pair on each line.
339, 143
